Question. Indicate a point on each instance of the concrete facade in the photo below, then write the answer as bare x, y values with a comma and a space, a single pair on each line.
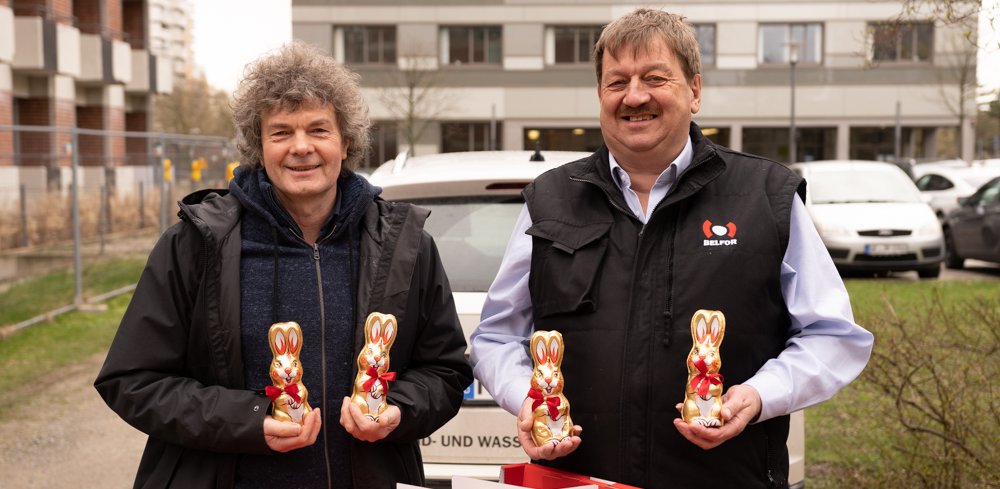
849, 82
74, 64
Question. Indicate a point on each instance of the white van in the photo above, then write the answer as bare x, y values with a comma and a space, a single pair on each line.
475, 199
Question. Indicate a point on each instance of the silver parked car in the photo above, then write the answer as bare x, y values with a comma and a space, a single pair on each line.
474, 200
944, 184
872, 218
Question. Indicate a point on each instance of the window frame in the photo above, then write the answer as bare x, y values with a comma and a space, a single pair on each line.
819, 50
696, 26
908, 28
593, 30
367, 30
445, 41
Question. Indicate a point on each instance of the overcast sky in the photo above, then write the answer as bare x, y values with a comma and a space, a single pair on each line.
230, 33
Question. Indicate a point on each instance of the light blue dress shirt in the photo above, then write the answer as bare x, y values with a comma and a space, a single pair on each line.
826, 349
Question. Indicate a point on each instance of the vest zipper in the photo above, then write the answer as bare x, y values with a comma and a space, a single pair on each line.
623, 451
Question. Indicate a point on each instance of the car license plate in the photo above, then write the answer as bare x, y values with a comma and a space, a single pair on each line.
885, 249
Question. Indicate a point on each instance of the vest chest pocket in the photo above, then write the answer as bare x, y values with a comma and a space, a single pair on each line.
566, 260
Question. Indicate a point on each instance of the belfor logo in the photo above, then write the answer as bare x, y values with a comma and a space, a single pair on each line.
716, 233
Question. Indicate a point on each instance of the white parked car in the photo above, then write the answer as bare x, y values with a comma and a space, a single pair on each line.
474, 200
872, 217
945, 184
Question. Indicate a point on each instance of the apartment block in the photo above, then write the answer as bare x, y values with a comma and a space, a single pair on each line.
513, 74
74, 64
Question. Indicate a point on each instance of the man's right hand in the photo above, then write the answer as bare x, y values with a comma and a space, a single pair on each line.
548, 451
285, 436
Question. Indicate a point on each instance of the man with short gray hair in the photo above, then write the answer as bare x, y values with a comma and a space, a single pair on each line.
618, 250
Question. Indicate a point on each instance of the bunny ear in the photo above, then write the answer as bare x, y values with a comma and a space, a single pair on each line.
293, 341
701, 330
376, 331
279, 342
390, 332
540, 352
554, 350
716, 329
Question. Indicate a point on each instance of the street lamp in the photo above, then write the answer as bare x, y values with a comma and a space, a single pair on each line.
793, 59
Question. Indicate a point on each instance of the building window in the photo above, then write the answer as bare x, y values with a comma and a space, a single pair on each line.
563, 138
718, 135
706, 41
901, 41
370, 44
471, 136
384, 145
813, 144
470, 45
575, 44
777, 41
879, 143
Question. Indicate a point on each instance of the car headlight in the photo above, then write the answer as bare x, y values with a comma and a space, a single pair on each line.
834, 230
932, 228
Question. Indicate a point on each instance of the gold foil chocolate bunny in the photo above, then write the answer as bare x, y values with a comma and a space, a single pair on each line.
703, 394
372, 382
550, 408
288, 394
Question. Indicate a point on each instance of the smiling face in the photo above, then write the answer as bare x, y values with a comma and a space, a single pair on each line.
302, 153
646, 104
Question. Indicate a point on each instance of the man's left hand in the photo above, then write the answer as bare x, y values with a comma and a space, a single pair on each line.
360, 426
740, 405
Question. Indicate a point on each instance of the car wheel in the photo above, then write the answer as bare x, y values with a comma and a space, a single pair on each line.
931, 272
951, 258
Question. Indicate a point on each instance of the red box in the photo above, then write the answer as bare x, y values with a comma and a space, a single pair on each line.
541, 477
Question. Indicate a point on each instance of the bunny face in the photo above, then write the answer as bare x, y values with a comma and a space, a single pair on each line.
380, 333
547, 352
286, 343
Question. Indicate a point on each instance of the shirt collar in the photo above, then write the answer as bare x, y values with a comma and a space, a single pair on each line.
669, 175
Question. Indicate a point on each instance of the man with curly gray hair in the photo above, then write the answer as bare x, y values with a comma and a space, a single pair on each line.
299, 237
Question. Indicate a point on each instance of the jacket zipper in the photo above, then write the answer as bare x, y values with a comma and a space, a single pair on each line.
322, 345
322, 350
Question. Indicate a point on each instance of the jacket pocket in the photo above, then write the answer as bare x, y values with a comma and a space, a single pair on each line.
566, 260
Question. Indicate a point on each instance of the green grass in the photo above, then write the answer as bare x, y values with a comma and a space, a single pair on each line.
42, 294
855, 439
36, 352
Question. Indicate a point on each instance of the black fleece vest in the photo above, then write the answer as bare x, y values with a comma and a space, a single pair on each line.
623, 294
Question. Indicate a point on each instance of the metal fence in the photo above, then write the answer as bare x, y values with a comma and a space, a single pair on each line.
70, 194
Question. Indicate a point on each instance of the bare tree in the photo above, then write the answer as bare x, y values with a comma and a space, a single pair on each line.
194, 107
415, 99
957, 84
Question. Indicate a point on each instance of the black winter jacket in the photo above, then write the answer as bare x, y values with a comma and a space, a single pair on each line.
174, 370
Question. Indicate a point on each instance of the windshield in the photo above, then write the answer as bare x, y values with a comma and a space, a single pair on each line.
860, 185
471, 234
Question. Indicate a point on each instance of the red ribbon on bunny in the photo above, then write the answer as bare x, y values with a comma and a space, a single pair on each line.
701, 382
552, 402
373, 375
292, 390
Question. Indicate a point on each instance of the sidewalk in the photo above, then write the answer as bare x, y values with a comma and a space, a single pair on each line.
62, 435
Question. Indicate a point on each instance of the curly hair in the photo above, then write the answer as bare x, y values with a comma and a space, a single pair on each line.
299, 75
639, 28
